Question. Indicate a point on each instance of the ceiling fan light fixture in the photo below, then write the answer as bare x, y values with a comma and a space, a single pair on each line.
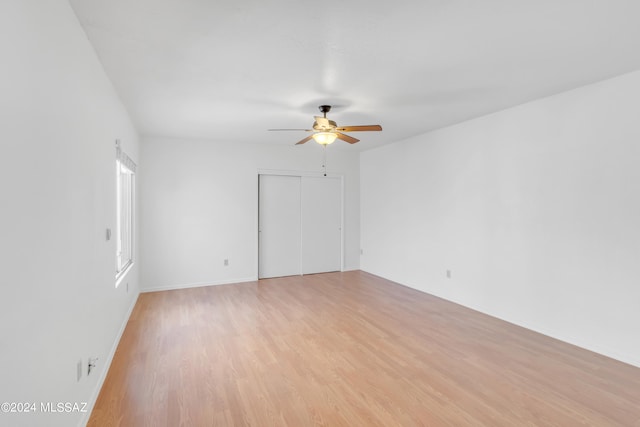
326, 131
324, 138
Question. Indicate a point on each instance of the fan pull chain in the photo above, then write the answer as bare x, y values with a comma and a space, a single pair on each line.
324, 159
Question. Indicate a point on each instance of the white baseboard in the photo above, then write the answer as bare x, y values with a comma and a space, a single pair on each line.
107, 365
590, 346
197, 285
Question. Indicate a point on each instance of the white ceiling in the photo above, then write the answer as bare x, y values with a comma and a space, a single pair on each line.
227, 70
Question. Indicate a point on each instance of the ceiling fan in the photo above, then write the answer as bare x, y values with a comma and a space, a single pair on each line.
327, 131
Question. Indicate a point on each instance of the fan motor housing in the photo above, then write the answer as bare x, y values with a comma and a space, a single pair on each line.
332, 126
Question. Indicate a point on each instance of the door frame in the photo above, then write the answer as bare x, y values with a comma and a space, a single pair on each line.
296, 174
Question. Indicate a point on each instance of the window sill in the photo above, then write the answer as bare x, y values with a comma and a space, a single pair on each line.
120, 276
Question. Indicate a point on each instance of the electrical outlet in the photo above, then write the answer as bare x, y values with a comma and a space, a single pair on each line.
226, 262
79, 370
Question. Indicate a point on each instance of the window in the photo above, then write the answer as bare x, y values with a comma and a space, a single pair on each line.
125, 185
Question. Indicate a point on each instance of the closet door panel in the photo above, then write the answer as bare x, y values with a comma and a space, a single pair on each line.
321, 222
279, 226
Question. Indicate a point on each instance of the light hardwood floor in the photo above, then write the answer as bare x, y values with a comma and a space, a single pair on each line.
349, 349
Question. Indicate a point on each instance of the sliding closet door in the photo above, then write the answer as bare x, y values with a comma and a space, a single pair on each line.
321, 224
279, 226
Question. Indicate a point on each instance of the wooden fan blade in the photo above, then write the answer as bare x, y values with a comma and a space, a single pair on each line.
279, 130
347, 138
304, 140
360, 128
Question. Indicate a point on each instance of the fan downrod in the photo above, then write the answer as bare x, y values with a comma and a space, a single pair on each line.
324, 109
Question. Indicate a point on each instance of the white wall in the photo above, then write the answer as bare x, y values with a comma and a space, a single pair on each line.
59, 120
199, 206
535, 210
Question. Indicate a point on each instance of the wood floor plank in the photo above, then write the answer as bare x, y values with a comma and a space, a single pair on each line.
349, 349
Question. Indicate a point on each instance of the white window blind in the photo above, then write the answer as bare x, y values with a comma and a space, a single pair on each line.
125, 185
